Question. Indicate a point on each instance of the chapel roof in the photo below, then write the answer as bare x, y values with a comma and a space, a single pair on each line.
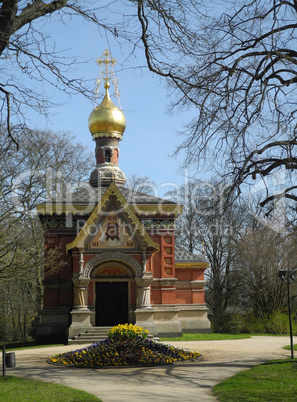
184, 256
92, 195
83, 201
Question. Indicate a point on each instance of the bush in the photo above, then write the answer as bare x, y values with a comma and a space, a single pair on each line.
276, 323
248, 324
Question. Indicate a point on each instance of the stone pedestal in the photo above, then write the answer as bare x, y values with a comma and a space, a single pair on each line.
53, 327
194, 319
172, 321
81, 322
145, 319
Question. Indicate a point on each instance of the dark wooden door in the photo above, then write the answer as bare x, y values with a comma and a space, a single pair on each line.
111, 303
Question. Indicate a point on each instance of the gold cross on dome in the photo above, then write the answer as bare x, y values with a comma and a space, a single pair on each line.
109, 62
107, 74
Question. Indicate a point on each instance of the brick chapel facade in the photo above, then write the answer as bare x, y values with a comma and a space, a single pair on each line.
120, 261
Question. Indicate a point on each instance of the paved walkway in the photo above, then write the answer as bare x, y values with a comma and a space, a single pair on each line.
182, 382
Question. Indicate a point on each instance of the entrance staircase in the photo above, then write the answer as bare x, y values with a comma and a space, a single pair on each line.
93, 335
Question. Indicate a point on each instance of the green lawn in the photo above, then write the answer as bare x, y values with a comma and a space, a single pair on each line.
214, 337
272, 381
289, 347
22, 389
24, 345
207, 337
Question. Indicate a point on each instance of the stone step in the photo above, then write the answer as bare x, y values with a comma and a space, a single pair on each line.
98, 330
92, 335
83, 340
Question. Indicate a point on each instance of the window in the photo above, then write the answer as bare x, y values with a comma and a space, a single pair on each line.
107, 156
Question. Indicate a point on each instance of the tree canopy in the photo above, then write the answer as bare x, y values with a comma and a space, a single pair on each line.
29, 60
233, 62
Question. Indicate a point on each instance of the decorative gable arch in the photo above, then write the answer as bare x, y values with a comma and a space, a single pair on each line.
113, 256
113, 200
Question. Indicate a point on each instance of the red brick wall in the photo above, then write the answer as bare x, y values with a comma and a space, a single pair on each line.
156, 296
115, 157
57, 243
198, 274
167, 256
133, 293
198, 297
168, 296
183, 274
57, 295
155, 260
184, 296
162, 263
65, 297
91, 294
58, 277
50, 297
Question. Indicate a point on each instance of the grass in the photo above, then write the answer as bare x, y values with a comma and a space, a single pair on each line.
24, 345
272, 381
289, 347
214, 337
22, 389
207, 337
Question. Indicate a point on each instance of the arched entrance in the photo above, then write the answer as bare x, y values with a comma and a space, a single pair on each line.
112, 294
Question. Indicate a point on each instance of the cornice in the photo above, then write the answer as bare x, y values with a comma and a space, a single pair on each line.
107, 134
192, 265
60, 209
157, 209
85, 209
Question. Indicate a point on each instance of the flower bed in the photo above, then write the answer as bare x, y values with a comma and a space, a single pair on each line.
121, 349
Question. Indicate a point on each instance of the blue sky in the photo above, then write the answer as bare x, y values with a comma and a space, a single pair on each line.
151, 134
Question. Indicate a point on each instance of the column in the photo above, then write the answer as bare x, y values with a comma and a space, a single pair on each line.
81, 293
144, 290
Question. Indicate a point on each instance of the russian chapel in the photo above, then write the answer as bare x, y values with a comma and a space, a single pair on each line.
120, 261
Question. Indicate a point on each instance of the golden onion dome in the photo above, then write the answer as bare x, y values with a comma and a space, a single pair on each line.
107, 120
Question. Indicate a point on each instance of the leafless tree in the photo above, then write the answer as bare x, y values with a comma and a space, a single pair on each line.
31, 62
140, 184
45, 165
233, 61
261, 253
207, 226
236, 62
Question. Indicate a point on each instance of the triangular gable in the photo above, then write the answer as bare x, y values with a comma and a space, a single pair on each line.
101, 213
112, 233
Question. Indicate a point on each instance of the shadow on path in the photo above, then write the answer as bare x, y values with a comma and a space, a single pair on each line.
190, 381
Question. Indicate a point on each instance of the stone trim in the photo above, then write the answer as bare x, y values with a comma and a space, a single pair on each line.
112, 256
